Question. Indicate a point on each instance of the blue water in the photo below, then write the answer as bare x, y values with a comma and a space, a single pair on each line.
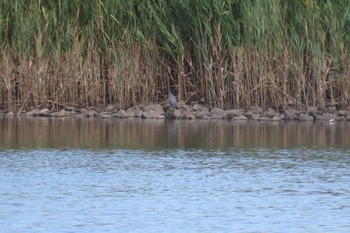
175, 190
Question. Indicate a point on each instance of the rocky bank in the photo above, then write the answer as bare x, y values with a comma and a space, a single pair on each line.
190, 112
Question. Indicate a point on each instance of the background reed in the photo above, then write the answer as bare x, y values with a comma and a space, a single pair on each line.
234, 53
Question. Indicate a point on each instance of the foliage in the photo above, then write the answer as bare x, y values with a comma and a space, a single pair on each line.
234, 53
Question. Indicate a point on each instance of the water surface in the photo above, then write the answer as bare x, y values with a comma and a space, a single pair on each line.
173, 176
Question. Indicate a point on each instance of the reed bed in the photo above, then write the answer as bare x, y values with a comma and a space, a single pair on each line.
231, 53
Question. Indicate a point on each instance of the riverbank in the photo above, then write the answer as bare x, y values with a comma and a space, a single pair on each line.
188, 112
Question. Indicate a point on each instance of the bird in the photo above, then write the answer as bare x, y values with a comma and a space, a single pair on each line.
331, 121
172, 99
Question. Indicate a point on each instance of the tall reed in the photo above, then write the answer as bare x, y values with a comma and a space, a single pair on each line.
232, 53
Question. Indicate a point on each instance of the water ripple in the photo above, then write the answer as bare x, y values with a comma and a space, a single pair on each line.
230, 190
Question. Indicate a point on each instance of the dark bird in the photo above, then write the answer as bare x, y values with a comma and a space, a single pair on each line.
172, 99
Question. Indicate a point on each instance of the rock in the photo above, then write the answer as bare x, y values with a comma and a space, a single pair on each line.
291, 114
10, 114
152, 107
255, 110
92, 113
233, 113
331, 109
201, 114
186, 112
34, 112
342, 113
61, 113
185, 108
173, 113
305, 117
200, 111
269, 113
249, 114
79, 116
200, 108
206, 117
152, 115
121, 114
134, 112
112, 108
240, 118
71, 110
44, 112
326, 117
258, 117
218, 113
153, 111
84, 112
88, 113
190, 116
277, 117
105, 115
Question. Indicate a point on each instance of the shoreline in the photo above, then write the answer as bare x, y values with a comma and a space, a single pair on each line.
188, 112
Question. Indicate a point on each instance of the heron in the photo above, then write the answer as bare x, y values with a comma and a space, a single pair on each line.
172, 99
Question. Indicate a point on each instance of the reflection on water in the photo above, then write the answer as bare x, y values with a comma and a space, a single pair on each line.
174, 190
138, 133
94, 175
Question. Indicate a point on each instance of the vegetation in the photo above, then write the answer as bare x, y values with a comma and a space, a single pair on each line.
234, 53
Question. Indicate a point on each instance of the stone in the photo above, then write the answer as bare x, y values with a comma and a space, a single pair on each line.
342, 113
71, 110
305, 117
10, 114
134, 112
79, 116
277, 117
233, 113
269, 113
240, 118
153, 111
84, 112
152, 107
61, 113
92, 113
121, 114
152, 115
256, 110
112, 108
185, 109
218, 113
291, 114
44, 112
258, 117
173, 114
34, 112
249, 114
201, 114
190, 116
326, 117
105, 115
201, 108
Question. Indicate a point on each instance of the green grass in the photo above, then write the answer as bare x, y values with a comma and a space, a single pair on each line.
234, 53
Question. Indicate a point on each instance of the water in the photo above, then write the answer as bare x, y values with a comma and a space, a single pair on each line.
57, 176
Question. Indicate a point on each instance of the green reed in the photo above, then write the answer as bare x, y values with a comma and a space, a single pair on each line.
232, 53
